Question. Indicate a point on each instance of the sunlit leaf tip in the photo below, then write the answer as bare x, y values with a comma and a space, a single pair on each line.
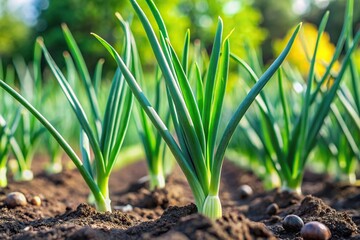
118, 15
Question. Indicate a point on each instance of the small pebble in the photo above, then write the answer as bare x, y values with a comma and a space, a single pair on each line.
28, 228
272, 209
15, 199
245, 191
36, 201
315, 231
293, 223
124, 208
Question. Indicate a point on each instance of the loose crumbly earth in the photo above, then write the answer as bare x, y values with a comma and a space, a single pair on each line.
169, 213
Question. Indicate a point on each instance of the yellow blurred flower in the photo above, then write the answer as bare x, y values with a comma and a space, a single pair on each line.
303, 50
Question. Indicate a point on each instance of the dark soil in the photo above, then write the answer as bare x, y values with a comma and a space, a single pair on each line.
169, 213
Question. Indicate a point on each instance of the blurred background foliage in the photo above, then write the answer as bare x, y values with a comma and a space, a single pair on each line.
256, 23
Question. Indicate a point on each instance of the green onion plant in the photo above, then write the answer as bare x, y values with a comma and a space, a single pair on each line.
195, 115
4, 140
104, 136
29, 132
349, 100
7, 127
290, 144
7, 141
339, 143
154, 146
4, 152
64, 119
343, 129
248, 150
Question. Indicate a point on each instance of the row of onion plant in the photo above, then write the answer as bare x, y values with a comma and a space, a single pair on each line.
289, 145
104, 136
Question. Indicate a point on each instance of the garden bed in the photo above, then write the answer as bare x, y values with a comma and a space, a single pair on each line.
169, 213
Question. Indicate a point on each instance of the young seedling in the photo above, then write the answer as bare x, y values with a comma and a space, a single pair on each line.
195, 117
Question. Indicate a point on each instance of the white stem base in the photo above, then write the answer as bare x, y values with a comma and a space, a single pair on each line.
54, 168
104, 206
157, 181
288, 189
212, 207
3, 178
26, 175
348, 178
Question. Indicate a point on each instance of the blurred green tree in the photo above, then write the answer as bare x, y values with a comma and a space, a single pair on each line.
13, 32
97, 16
82, 17
237, 15
278, 17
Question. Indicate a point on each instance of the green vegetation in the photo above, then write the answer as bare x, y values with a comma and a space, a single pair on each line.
6, 140
152, 142
289, 145
193, 93
196, 117
29, 132
105, 139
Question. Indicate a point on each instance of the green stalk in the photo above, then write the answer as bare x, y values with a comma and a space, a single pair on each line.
271, 138
157, 175
304, 120
239, 113
353, 71
3, 152
85, 76
103, 184
348, 150
285, 109
3, 169
344, 98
